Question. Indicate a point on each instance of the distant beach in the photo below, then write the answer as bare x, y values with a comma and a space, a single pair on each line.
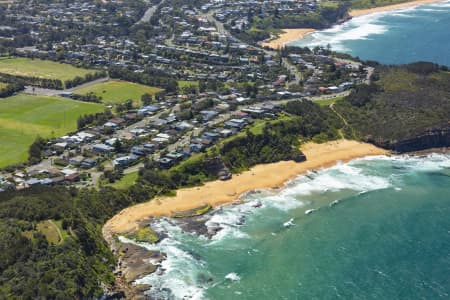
292, 35
288, 35
222, 192
361, 12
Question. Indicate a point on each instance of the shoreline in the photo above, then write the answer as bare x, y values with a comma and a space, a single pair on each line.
293, 35
288, 36
217, 193
368, 11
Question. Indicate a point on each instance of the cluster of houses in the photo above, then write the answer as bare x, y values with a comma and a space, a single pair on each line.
51, 176
237, 12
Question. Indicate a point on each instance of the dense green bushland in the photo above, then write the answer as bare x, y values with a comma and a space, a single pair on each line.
403, 102
33, 268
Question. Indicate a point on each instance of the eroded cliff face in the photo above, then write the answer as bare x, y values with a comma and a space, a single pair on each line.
436, 138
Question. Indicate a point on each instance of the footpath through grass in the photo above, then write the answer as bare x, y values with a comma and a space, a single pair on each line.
116, 91
23, 117
19, 66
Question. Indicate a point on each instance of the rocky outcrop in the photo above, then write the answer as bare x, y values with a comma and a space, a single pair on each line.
216, 167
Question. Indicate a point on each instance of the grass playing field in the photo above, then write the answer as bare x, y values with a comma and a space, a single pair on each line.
23, 117
116, 91
40, 68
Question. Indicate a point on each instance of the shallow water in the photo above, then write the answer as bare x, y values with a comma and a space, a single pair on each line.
380, 229
402, 36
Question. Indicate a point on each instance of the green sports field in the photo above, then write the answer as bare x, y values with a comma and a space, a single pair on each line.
23, 117
40, 68
116, 91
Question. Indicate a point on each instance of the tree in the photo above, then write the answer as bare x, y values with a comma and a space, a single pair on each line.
35, 150
118, 146
146, 99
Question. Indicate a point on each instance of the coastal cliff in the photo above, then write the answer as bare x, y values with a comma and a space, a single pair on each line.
436, 138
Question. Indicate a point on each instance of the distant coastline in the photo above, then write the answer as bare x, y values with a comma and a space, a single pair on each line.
218, 193
362, 12
292, 35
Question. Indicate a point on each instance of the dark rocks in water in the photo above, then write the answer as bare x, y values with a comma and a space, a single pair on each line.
134, 262
257, 204
241, 221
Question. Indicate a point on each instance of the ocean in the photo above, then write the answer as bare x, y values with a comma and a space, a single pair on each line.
373, 228
420, 33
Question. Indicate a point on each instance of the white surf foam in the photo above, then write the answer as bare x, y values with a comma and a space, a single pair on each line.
233, 277
357, 29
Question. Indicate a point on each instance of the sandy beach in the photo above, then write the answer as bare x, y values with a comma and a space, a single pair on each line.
288, 35
222, 192
361, 12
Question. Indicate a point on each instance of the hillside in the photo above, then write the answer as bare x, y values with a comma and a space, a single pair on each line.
406, 109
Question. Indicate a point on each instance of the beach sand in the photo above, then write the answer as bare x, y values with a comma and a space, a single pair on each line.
218, 193
288, 35
361, 12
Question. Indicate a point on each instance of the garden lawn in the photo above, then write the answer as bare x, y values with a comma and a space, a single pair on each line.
126, 181
19, 66
23, 117
116, 91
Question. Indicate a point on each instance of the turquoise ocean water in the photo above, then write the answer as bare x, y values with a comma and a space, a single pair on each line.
403, 36
376, 228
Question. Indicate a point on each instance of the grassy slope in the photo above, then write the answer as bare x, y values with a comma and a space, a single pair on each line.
126, 181
23, 117
40, 68
50, 231
116, 91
